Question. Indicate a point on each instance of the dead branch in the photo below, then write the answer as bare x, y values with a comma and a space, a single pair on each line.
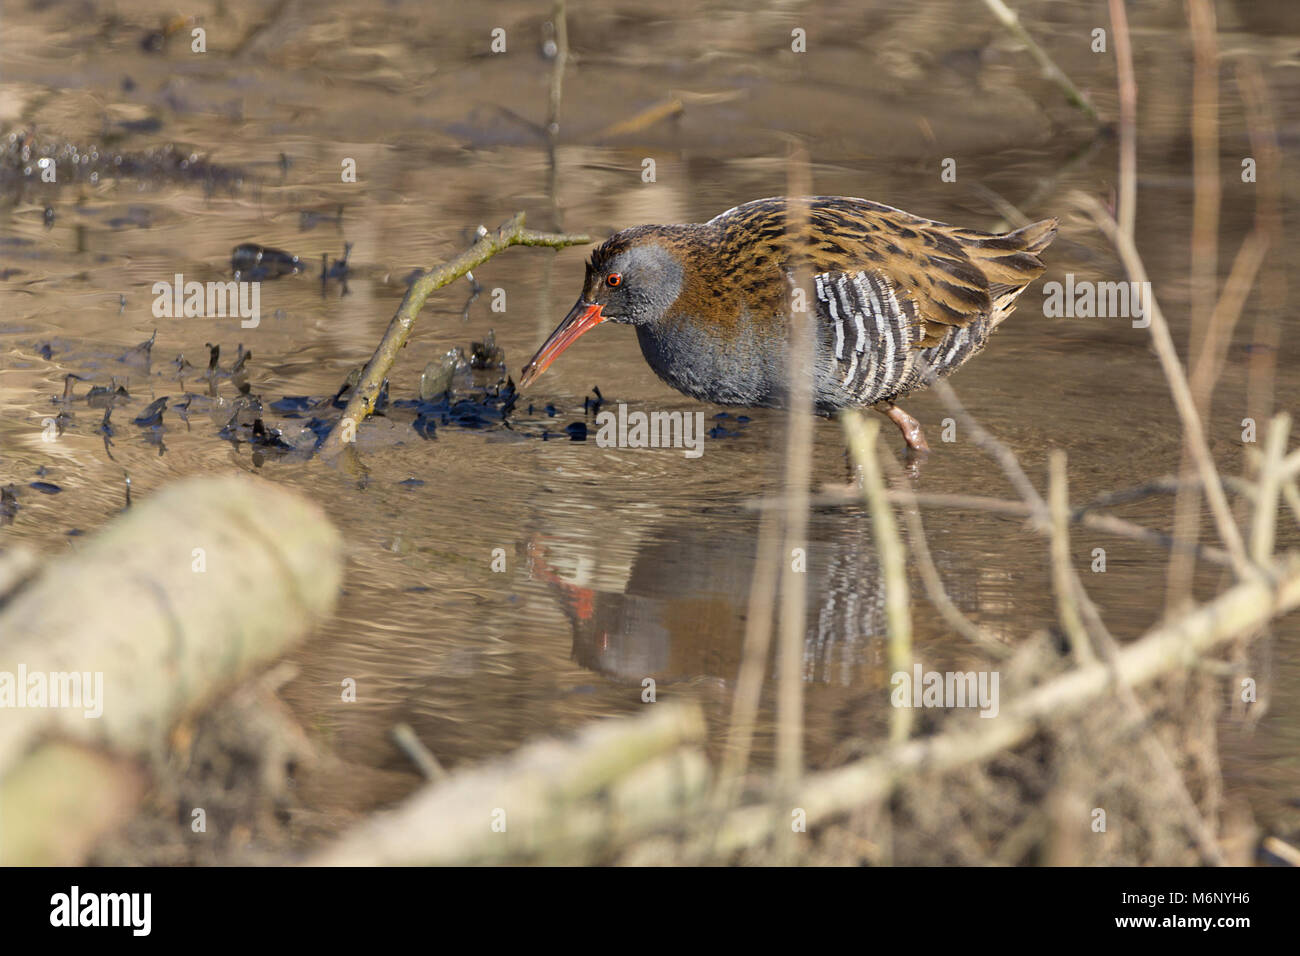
362, 402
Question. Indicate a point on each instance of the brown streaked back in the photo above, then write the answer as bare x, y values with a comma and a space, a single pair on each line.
954, 275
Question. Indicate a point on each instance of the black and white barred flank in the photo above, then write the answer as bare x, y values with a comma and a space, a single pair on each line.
873, 333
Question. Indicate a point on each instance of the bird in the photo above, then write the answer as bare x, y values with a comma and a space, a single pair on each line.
896, 299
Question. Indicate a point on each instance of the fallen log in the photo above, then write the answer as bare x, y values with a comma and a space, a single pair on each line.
108, 647
537, 802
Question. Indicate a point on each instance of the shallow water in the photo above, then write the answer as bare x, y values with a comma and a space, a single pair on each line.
621, 564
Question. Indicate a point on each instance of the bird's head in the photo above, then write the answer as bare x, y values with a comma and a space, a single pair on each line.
633, 278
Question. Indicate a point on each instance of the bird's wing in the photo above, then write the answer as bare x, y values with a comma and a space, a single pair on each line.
951, 277
954, 276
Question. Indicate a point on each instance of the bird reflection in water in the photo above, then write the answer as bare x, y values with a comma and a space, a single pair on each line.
680, 613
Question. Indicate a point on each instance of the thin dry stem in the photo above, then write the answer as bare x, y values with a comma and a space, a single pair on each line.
1263, 530
1193, 431
1008, 18
753, 662
861, 436
406, 739
798, 473
904, 496
560, 23
1204, 276
1016, 509
1127, 213
1067, 603
1266, 333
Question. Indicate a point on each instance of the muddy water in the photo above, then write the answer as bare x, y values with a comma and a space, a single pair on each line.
620, 564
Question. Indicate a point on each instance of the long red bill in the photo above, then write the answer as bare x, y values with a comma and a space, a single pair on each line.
582, 318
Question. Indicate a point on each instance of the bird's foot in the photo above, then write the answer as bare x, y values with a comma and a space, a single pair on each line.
913, 434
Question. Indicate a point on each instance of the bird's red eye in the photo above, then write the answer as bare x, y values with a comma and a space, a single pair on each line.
614, 278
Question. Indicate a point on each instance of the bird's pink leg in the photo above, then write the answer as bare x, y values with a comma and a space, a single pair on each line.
909, 426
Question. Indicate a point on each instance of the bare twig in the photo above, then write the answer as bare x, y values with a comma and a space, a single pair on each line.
1207, 193
1223, 321
1164, 485
1007, 17
995, 449
1292, 495
673, 106
1075, 593
753, 662
930, 577
1266, 334
1015, 509
362, 402
410, 744
798, 473
1270, 486
557, 69
1204, 277
1127, 213
1062, 577
1290, 466
1283, 851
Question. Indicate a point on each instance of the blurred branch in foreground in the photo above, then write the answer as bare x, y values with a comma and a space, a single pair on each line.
176, 600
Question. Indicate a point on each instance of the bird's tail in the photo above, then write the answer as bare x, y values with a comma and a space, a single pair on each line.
1036, 236
1010, 262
